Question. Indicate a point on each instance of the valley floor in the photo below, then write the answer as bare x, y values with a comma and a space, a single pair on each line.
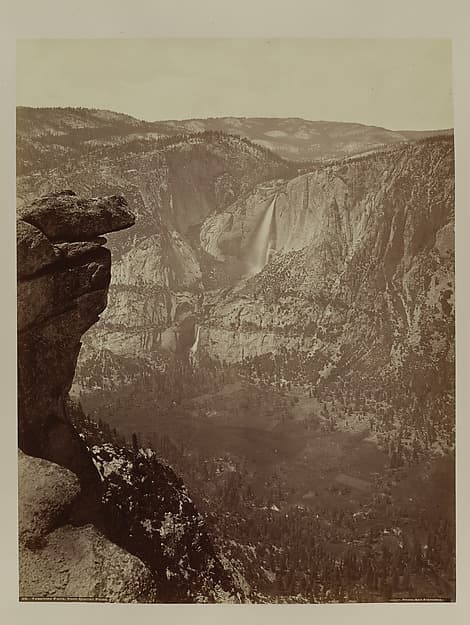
305, 501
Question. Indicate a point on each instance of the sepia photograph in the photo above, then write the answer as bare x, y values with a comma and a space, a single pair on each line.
235, 320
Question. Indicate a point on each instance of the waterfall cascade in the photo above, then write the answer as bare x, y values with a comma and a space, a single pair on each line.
194, 346
262, 241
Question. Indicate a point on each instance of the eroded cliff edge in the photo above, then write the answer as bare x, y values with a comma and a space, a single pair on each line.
63, 277
88, 527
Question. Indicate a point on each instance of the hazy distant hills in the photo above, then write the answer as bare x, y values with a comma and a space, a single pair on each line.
292, 138
301, 139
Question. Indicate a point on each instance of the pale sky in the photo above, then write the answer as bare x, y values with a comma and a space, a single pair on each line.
402, 84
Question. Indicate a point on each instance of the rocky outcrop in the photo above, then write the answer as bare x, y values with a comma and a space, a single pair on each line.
145, 500
62, 289
65, 217
47, 491
65, 562
80, 564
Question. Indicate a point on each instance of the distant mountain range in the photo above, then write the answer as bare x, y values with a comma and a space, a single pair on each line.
301, 139
291, 138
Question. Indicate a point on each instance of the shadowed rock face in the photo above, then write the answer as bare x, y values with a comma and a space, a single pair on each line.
62, 289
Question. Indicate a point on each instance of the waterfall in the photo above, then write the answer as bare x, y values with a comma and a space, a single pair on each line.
194, 346
262, 241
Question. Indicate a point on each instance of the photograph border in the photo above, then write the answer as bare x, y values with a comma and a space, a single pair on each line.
244, 18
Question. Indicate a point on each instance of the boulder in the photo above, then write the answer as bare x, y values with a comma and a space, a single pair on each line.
67, 217
57, 560
79, 563
45, 492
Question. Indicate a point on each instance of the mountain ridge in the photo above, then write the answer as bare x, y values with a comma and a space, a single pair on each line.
117, 114
293, 138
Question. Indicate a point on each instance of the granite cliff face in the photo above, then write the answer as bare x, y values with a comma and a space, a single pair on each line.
77, 490
173, 186
360, 276
361, 271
